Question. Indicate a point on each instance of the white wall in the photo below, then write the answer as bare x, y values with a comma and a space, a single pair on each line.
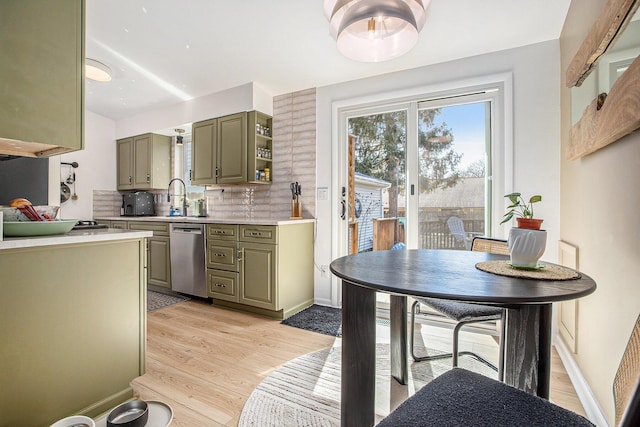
536, 133
241, 98
599, 201
96, 166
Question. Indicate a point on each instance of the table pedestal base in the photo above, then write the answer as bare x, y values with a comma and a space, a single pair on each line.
358, 356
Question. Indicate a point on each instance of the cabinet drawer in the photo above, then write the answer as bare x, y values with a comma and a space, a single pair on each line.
222, 231
259, 233
120, 225
222, 285
158, 228
222, 255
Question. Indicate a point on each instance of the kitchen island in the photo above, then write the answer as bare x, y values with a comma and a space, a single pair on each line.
73, 315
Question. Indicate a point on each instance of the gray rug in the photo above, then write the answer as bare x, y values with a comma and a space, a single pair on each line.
157, 300
318, 318
305, 392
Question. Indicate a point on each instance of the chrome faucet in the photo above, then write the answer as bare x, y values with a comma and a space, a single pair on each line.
184, 198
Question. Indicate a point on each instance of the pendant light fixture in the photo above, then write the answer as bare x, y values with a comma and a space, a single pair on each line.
179, 138
96, 70
375, 30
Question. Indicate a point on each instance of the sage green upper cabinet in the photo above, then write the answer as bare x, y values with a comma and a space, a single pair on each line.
144, 162
224, 149
125, 163
41, 77
204, 156
232, 148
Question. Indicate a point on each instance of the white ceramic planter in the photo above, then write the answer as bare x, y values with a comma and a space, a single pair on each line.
526, 246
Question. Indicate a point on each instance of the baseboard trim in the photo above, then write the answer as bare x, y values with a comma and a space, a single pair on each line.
586, 396
324, 301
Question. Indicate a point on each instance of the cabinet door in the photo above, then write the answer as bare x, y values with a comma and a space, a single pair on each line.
203, 152
158, 262
258, 275
232, 148
142, 156
125, 164
42, 89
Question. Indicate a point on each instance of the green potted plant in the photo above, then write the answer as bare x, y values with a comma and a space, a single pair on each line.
523, 211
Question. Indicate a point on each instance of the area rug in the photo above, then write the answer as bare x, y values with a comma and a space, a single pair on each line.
158, 300
318, 318
305, 392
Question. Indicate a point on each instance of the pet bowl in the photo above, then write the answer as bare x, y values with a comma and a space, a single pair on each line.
134, 413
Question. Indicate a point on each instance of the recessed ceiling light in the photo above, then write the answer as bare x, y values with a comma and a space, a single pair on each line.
96, 70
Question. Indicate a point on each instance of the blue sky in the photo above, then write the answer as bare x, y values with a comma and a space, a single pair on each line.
468, 128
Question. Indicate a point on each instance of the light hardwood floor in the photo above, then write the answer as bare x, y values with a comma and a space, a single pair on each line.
205, 361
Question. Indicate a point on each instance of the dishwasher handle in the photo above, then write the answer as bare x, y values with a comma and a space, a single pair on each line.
186, 230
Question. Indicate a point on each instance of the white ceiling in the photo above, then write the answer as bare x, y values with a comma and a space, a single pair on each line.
164, 52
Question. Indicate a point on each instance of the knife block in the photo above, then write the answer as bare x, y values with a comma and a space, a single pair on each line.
296, 209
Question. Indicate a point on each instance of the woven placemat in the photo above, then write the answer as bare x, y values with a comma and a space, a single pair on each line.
548, 272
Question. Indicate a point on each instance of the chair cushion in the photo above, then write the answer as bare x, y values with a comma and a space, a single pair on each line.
463, 398
462, 311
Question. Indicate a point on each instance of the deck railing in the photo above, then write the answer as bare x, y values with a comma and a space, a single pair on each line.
436, 234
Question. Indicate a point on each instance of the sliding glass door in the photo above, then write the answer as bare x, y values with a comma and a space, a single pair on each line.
454, 193
418, 175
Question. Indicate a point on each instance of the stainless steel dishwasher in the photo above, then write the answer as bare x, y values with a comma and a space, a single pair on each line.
188, 260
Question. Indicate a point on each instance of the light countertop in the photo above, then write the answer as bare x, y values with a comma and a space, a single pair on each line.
208, 220
73, 236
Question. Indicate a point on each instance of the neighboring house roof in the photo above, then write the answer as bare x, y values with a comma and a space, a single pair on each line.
366, 180
467, 193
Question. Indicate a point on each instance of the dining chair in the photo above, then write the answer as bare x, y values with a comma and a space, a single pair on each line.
465, 313
464, 398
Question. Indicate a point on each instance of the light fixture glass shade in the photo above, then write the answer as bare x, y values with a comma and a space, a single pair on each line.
377, 30
334, 10
97, 71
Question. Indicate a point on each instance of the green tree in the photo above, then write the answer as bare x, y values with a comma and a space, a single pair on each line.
475, 170
380, 151
438, 160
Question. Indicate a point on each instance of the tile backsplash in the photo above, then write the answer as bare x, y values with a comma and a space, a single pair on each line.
294, 159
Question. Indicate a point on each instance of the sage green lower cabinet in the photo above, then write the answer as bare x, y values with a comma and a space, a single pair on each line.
223, 285
223, 277
73, 329
258, 272
158, 252
263, 269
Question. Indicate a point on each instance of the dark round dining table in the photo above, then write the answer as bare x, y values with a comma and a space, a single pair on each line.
446, 274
